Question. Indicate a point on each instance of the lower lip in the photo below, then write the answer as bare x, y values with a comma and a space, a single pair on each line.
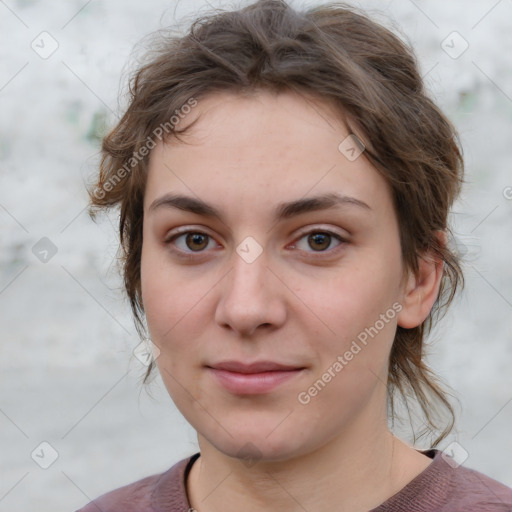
253, 383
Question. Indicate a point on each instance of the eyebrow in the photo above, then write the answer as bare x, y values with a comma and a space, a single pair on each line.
282, 211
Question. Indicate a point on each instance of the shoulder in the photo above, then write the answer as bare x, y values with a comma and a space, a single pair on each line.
445, 486
131, 497
144, 494
472, 490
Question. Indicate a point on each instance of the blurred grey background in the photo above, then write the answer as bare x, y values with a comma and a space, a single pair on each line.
69, 378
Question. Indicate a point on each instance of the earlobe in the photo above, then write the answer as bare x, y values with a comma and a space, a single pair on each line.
420, 291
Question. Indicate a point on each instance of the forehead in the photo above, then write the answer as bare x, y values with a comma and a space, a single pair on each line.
262, 146
262, 113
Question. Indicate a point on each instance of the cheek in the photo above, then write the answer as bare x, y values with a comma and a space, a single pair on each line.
153, 289
355, 299
163, 295
173, 325
177, 304
351, 364
358, 309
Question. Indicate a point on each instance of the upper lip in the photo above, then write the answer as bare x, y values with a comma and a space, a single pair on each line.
256, 367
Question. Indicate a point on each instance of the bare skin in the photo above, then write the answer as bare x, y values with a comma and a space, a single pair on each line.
302, 302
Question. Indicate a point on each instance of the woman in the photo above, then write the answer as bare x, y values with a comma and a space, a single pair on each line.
284, 184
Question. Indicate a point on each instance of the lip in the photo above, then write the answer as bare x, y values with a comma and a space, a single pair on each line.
253, 378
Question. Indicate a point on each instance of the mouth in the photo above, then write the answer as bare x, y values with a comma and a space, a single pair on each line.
254, 378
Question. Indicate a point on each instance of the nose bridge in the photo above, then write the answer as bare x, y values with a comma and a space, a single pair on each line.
247, 280
249, 298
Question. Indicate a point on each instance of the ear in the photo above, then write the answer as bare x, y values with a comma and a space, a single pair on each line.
421, 291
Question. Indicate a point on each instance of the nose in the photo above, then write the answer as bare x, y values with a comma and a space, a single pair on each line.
251, 298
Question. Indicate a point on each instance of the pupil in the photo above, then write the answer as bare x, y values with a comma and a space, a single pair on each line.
198, 240
320, 239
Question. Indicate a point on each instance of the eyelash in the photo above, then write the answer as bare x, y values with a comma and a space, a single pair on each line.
194, 254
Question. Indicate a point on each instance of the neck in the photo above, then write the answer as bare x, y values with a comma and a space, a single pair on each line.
355, 472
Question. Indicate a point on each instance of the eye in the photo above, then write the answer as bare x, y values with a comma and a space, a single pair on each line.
190, 242
318, 241
186, 243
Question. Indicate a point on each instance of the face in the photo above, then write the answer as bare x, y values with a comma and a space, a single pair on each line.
274, 313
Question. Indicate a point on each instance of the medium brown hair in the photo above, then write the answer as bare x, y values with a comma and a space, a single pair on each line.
371, 79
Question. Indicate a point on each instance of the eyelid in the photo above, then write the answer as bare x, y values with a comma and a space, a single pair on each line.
320, 229
184, 230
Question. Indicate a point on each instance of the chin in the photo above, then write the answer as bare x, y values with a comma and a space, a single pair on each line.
251, 450
260, 442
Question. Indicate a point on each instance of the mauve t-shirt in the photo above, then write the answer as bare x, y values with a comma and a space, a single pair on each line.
441, 487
